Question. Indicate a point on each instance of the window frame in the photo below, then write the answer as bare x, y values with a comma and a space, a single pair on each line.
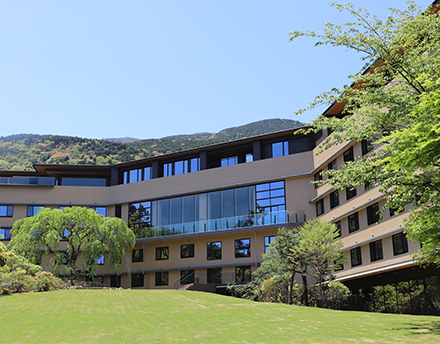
348, 155
162, 253
355, 217
334, 199
138, 284
161, 278
191, 251
245, 250
137, 258
374, 250
401, 239
356, 256
372, 218
210, 252
350, 192
320, 207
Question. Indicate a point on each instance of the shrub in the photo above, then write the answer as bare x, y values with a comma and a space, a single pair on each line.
336, 294
45, 281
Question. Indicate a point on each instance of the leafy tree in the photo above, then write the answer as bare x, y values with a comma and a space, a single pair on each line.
87, 234
394, 103
319, 247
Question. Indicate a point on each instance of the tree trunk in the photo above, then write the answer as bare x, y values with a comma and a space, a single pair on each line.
292, 280
305, 297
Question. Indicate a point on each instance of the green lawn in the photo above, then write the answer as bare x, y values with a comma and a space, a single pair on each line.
153, 316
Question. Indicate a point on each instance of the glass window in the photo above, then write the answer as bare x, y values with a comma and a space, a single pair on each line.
139, 215
100, 260
249, 157
215, 275
135, 176
356, 257
229, 161
353, 222
334, 199
242, 274
350, 192
349, 155
366, 147
162, 253
32, 210
186, 276
242, 248
5, 234
137, 280
373, 213
100, 210
318, 177
280, 149
6, 210
393, 211
400, 244
66, 181
267, 241
115, 281
162, 278
214, 250
338, 228
376, 251
320, 207
187, 251
138, 255
195, 164
168, 169
332, 165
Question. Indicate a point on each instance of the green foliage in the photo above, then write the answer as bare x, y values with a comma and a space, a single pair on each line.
336, 294
394, 103
87, 234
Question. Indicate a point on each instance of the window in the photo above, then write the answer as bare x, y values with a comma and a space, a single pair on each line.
162, 253
373, 213
249, 157
320, 207
118, 211
162, 278
136, 175
267, 241
187, 251
339, 266
214, 250
100, 210
115, 281
317, 178
137, 280
229, 161
6, 210
181, 167
338, 228
32, 210
138, 255
366, 147
186, 276
349, 155
376, 251
353, 222
334, 199
242, 274
215, 275
139, 215
280, 149
356, 257
332, 165
100, 260
242, 248
67, 181
5, 234
270, 198
350, 192
400, 244
393, 211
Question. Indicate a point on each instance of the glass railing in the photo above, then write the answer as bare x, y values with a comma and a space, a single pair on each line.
235, 222
34, 181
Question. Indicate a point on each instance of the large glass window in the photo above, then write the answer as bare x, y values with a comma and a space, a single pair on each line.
280, 149
356, 256
242, 248
400, 244
353, 222
6, 210
334, 199
32, 210
68, 181
138, 255
162, 278
271, 197
242, 274
187, 251
137, 280
214, 250
215, 275
267, 241
136, 175
162, 253
376, 251
181, 167
373, 213
139, 215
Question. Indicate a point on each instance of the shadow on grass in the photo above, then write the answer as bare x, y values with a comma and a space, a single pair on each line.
421, 327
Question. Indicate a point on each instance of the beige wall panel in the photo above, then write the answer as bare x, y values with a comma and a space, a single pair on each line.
298, 193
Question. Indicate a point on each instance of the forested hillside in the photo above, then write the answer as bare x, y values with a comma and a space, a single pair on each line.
19, 152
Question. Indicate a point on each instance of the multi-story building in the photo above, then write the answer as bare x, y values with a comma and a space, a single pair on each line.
207, 215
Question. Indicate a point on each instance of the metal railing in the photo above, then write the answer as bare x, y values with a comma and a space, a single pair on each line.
259, 219
202, 278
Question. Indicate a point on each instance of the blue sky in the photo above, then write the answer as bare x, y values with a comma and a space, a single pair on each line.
149, 69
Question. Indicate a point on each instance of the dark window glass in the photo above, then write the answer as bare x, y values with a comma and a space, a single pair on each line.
162, 278
332, 165
137, 280
280, 149
187, 251
356, 257
349, 155
83, 181
334, 199
366, 147
138, 255
243, 274
338, 228
186, 276
139, 215
400, 244
320, 207
6, 210
214, 250
215, 275
318, 177
118, 211
267, 241
162, 253
376, 251
393, 211
373, 213
242, 248
353, 222
350, 192
318, 135
115, 281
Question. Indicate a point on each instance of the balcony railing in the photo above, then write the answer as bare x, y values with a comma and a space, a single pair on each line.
221, 279
260, 219
30, 181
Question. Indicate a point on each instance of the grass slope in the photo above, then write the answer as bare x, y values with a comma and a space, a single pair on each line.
154, 316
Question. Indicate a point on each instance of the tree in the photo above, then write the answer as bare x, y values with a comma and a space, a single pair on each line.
318, 248
86, 233
394, 102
